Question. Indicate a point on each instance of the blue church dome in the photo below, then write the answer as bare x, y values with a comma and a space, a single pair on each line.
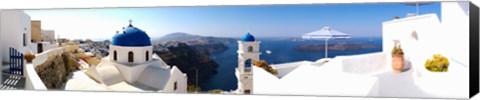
131, 36
248, 37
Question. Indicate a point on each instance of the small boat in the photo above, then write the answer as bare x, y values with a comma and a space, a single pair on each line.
268, 51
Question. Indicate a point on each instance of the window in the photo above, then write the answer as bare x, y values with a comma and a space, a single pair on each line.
250, 48
175, 86
246, 92
115, 55
248, 63
130, 56
24, 40
146, 56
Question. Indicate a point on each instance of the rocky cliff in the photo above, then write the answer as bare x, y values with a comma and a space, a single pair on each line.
211, 44
188, 59
342, 46
54, 71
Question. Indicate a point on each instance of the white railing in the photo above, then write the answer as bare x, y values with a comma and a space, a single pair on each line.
44, 56
363, 64
284, 69
33, 81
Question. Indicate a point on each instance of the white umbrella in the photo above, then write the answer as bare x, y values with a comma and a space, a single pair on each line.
326, 33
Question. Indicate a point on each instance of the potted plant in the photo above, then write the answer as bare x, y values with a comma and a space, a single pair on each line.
439, 63
263, 64
29, 57
397, 59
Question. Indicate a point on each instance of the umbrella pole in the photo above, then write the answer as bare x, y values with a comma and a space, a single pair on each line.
326, 48
417, 9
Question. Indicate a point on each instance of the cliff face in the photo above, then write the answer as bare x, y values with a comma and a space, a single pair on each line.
54, 71
211, 44
213, 47
343, 46
188, 59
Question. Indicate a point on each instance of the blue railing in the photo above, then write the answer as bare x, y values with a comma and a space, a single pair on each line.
16, 62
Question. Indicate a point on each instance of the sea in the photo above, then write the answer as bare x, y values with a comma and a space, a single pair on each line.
282, 51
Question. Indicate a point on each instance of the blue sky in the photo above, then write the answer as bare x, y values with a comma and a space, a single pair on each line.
359, 20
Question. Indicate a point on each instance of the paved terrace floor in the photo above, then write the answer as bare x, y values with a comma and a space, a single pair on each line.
11, 82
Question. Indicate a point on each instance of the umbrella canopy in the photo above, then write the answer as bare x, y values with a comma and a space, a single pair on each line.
326, 33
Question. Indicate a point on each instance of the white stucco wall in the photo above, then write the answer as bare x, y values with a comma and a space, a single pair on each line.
33, 81
14, 23
244, 54
285, 68
131, 72
155, 77
42, 57
314, 80
164, 79
364, 64
364, 75
138, 53
106, 72
448, 36
244, 76
245, 81
179, 77
451, 84
33, 47
455, 30
431, 39
266, 83
243, 46
334, 78
152, 74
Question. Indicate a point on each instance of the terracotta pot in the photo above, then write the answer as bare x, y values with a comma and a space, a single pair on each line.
29, 57
397, 62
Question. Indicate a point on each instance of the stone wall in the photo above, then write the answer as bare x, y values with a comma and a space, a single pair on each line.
55, 70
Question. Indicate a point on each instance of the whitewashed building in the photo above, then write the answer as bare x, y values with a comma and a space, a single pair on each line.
48, 36
40, 47
42, 40
130, 66
371, 74
15, 31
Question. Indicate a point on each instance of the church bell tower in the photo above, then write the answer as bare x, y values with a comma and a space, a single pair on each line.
248, 51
